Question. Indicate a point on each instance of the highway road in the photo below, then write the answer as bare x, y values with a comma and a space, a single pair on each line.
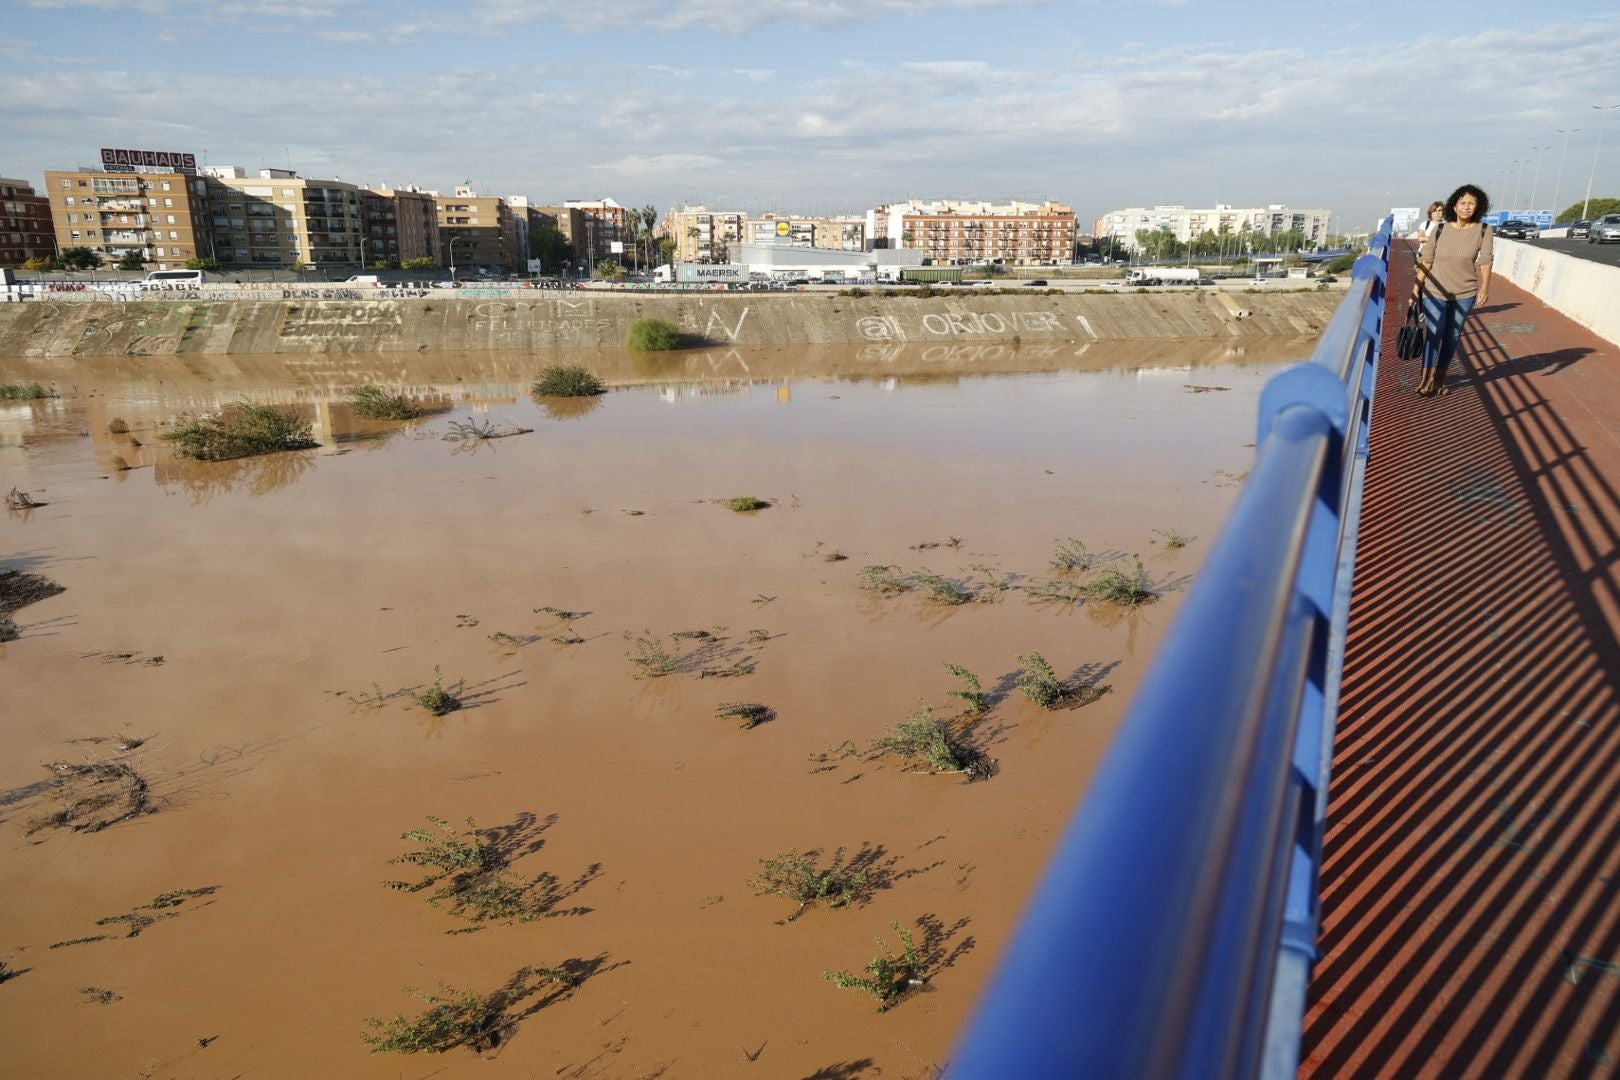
1608, 254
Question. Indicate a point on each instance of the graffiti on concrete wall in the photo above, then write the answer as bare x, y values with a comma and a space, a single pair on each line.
957, 324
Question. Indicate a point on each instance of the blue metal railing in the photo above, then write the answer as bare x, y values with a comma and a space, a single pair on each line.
1174, 930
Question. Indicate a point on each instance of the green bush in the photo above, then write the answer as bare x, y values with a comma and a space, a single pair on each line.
240, 430
742, 504
569, 381
653, 335
17, 391
371, 402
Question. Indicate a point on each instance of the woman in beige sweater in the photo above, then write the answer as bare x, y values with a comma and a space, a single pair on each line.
1453, 274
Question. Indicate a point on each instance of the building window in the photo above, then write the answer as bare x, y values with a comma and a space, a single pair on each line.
165, 185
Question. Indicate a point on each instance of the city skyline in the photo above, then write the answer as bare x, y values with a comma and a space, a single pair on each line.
837, 106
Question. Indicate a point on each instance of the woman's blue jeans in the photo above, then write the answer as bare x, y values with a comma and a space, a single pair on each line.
1444, 322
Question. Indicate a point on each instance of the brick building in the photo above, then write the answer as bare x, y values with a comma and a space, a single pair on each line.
959, 233
25, 224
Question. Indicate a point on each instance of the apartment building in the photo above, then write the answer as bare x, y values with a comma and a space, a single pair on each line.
401, 224
25, 224
701, 234
965, 232
522, 222
832, 233
1187, 224
603, 223
160, 216
278, 218
477, 230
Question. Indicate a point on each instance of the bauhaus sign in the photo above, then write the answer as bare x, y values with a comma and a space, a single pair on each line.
156, 160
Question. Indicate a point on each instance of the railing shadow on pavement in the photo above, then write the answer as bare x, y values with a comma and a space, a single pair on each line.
1470, 890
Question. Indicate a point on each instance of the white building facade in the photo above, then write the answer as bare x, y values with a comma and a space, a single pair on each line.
1187, 224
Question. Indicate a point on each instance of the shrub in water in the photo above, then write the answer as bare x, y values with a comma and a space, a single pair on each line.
241, 430
16, 391
653, 335
374, 403
569, 381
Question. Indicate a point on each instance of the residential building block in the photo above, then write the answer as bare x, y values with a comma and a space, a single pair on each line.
163, 217
25, 224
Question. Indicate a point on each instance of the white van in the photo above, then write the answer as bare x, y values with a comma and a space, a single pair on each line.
364, 279
174, 279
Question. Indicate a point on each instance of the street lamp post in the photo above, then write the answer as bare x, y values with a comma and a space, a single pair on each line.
1536, 183
1518, 178
454, 240
1604, 111
1558, 183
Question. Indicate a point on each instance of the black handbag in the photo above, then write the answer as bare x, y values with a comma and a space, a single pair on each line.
1409, 340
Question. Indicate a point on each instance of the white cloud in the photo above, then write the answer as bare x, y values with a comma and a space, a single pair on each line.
634, 166
1191, 123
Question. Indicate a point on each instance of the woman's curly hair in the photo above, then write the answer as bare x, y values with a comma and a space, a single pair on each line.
1479, 195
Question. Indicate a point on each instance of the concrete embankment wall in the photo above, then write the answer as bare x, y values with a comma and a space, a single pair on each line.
1586, 291
536, 319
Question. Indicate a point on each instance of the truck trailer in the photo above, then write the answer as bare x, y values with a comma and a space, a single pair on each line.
1162, 275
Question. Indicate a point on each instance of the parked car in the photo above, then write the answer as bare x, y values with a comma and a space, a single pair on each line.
1518, 230
1039, 283
1580, 228
1604, 229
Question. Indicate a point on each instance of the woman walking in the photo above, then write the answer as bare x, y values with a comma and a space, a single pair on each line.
1453, 274
1436, 215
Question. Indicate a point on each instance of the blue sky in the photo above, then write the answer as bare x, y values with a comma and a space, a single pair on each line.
824, 106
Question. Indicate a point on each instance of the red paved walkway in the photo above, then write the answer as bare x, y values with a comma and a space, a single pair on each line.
1471, 883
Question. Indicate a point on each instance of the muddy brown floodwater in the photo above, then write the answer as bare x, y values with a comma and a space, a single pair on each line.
239, 636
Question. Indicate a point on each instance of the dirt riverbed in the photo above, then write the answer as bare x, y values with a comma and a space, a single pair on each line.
246, 637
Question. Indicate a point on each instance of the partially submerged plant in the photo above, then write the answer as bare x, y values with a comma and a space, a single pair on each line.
19, 391
888, 977
795, 876
1041, 685
884, 579
744, 503
371, 402
93, 795
1055, 591
1039, 682
1118, 587
747, 715
1172, 539
568, 380
240, 430
17, 499
922, 738
971, 694
649, 655
941, 590
457, 1017
468, 876
439, 699
1071, 554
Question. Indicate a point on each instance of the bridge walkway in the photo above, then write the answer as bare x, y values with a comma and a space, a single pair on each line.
1471, 875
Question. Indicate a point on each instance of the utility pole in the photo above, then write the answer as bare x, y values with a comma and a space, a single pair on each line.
1536, 183
1559, 182
1603, 111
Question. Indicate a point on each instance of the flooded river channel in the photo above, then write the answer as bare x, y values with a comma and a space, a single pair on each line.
228, 683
